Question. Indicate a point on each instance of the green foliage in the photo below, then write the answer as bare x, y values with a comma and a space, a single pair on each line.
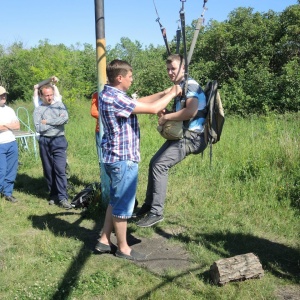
254, 57
289, 84
254, 74
126, 50
147, 80
14, 68
21, 69
154, 78
211, 213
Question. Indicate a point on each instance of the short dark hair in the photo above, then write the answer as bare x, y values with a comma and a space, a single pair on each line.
175, 57
117, 67
46, 86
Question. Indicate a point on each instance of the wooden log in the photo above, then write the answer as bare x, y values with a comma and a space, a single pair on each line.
236, 268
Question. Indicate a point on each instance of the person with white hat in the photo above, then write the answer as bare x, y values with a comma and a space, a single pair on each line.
9, 154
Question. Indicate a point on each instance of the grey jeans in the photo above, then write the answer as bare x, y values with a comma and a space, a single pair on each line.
170, 154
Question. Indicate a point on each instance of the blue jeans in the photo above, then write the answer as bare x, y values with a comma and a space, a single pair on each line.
123, 177
8, 167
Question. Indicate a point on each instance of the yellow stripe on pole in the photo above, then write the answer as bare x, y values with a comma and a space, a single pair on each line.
101, 62
101, 71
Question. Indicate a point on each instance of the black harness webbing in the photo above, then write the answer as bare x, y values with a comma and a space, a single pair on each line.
163, 31
200, 21
187, 57
178, 37
186, 68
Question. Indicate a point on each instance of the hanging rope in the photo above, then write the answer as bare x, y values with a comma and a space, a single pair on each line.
163, 30
178, 37
200, 22
186, 71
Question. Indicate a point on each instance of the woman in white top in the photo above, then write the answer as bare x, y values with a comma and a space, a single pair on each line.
9, 154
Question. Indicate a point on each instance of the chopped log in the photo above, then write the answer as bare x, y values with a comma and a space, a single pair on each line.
236, 268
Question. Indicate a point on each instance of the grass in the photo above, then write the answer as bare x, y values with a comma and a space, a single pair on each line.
247, 202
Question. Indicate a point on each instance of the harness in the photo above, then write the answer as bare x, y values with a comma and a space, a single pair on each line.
163, 31
181, 32
187, 56
200, 23
213, 111
200, 113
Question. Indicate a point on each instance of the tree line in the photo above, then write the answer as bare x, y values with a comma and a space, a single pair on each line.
254, 56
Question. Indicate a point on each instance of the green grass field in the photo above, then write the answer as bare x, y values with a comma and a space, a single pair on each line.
249, 201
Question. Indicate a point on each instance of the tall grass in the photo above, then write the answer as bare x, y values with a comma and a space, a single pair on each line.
246, 201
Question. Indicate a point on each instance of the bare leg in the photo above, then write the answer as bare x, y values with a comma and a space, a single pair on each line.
107, 227
120, 226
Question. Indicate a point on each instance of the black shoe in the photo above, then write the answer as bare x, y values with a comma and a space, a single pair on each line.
103, 248
10, 199
65, 204
134, 255
142, 211
149, 220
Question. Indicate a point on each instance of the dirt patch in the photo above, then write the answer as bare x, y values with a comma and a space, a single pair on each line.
289, 292
162, 254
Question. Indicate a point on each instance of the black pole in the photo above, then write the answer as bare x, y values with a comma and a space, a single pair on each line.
101, 70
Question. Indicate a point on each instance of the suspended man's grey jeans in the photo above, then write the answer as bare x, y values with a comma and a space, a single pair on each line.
170, 154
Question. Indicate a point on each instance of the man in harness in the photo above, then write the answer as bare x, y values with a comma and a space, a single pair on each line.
190, 110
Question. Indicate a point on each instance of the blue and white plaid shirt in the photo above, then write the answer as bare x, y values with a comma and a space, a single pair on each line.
121, 136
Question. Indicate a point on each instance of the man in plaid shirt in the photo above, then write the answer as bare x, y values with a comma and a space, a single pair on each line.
121, 151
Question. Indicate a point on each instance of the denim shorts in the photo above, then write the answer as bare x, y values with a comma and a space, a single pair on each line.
123, 177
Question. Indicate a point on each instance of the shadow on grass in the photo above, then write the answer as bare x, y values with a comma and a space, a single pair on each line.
280, 260
57, 226
30, 185
166, 280
38, 186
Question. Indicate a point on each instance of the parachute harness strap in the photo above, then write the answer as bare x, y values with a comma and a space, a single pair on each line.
200, 23
178, 37
186, 69
163, 30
